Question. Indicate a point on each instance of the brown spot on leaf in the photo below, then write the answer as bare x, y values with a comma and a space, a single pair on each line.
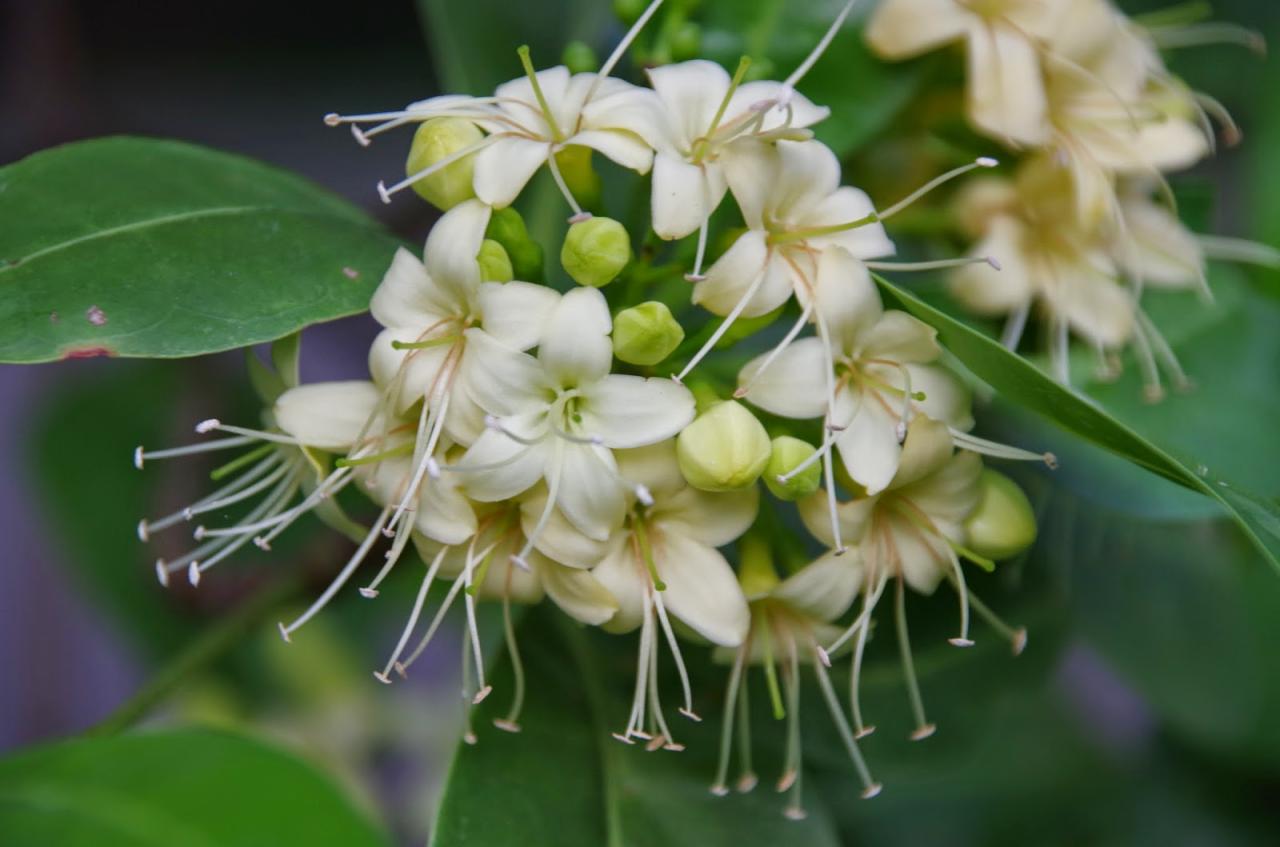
95, 316
87, 353
54, 318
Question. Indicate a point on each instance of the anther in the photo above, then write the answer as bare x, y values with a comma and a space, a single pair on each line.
382, 677
506, 725
923, 732
795, 813
720, 790
994, 263
284, 633
481, 694
746, 783
521, 563
787, 780
864, 732
360, 137
137, 457
1019, 641
193, 574
143, 535
1051, 461
643, 494
469, 738
960, 642
690, 714
623, 738
261, 542
691, 277
368, 593
199, 533
656, 743
208, 426
580, 217
332, 119
872, 790
162, 573
824, 656
673, 747
986, 162
433, 468
383, 193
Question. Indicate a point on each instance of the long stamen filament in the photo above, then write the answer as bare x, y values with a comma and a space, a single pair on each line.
527, 63
870, 788
923, 728
703, 146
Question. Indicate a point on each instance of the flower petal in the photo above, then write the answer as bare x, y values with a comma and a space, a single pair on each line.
505, 467
624, 148
683, 195
631, 411
1006, 91
453, 247
575, 348
903, 28
653, 466
794, 385
843, 206
734, 274
899, 337
421, 367
752, 171
625, 578
798, 113
577, 592
869, 443
559, 540
501, 380
504, 168
854, 517
407, 297
927, 448
327, 415
844, 296
713, 519
986, 290
825, 588
516, 313
701, 589
444, 513
590, 495
690, 93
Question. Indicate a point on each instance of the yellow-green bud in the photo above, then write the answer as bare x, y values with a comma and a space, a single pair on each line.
724, 449
595, 251
435, 140
507, 228
686, 42
788, 454
579, 58
629, 11
574, 163
645, 334
495, 264
1003, 524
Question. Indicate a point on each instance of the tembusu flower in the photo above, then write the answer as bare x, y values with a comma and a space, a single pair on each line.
662, 563
790, 620
913, 533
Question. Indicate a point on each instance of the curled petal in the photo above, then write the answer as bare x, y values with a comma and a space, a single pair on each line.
327, 415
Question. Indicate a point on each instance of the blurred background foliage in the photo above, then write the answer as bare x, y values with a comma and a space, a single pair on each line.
1143, 711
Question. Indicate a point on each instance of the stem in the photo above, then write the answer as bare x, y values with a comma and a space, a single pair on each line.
208, 647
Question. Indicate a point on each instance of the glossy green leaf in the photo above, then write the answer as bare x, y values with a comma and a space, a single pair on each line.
1020, 382
197, 788
138, 247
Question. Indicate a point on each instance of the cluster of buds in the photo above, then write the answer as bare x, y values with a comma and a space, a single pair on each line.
1086, 220
519, 439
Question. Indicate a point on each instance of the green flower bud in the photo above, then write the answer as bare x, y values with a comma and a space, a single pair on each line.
435, 140
629, 11
645, 334
1003, 524
582, 180
724, 449
595, 251
788, 454
507, 228
579, 58
495, 264
686, 42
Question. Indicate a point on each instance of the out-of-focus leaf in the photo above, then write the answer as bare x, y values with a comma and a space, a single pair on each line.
138, 247
1021, 382
190, 787
863, 92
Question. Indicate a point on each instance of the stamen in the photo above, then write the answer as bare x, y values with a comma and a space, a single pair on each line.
703, 145
940, 264
982, 162
697, 275
973, 443
578, 215
553, 491
646, 553
469, 605
674, 646
418, 602
445, 605
1199, 35
791, 776
405, 449
385, 193
923, 728
1152, 389
1231, 134
720, 787
222, 547
795, 330
1181, 382
870, 788
636, 718
621, 49
820, 48
662, 736
1017, 637
140, 455
747, 779
828, 468
726, 323
468, 733
241, 461
862, 621
511, 723
771, 674
279, 438
342, 577
1239, 250
210, 501
962, 592
1014, 326
496, 423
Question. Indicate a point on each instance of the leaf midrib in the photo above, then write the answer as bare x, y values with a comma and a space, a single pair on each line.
158, 222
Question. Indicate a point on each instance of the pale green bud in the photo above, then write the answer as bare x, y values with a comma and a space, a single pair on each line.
686, 42
788, 454
435, 140
629, 11
495, 264
595, 251
645, 334
1003, 524
507, 228
579, 58
724, 449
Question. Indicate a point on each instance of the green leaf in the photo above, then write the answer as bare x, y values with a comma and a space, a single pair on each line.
138, 247
1021, 382
196, 788
564, 780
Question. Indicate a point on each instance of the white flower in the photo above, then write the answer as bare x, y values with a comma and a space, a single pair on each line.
559, 417
913, 533
868, 380
790, 620
662, 563
1005, 92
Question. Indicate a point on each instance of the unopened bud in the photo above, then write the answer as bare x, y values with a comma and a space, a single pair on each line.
579, 58
645, 334
507, 228
724, 449
788, 454
686, 42
435, 140
629, 11
595, 251
495, 264
1003, 524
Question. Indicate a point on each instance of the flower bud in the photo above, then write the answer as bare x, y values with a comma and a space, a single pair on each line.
1003, 524
435, 140
686, 42
724, 449
579, 58
645, 334
629, 11
595, 251
495, 264
507, 228
787, 455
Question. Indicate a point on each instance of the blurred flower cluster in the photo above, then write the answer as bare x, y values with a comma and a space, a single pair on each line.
534, 443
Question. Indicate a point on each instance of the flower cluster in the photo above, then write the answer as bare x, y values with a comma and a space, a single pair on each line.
520, 440
1086, 221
